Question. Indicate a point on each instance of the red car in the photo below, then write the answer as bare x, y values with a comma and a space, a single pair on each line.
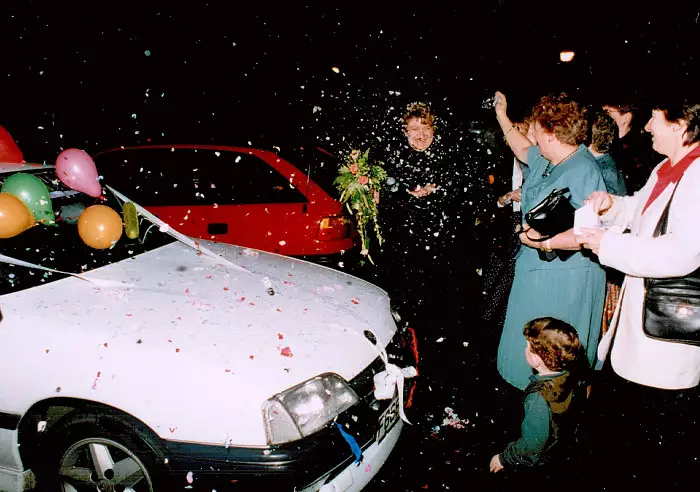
238, 195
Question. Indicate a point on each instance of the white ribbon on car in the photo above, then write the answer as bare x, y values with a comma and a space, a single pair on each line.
164, 227
97, 281
391, 378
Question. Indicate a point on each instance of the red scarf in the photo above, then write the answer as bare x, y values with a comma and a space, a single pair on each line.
668, 174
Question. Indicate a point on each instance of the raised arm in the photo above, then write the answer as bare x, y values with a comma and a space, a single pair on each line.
517, 142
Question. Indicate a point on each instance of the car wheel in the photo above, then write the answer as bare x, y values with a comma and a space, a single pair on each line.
96, 451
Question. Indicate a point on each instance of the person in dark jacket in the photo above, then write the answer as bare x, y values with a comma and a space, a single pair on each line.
632, 151
422, 212
554, 397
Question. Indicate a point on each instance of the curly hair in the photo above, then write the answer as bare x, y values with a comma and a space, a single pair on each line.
555, 342
678, 109
421, 111
562, 116
603, 131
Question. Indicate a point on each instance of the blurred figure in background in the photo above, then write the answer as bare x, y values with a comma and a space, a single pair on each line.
632, 152
498, 275
603, 135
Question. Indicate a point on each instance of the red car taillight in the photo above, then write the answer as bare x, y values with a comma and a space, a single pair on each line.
333, 228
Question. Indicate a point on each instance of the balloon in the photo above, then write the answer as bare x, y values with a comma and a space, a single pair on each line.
99, 226
76, 169
33, 192
131, 220
15, 217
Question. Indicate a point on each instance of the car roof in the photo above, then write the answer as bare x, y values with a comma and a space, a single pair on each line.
187, 146
14, 168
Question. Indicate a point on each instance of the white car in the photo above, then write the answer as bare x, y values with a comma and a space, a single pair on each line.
162, 366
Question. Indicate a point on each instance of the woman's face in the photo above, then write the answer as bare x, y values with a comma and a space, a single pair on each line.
543, 139
420, 135
664, 135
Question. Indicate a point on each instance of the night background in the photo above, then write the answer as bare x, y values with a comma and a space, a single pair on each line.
101, 75
95, 76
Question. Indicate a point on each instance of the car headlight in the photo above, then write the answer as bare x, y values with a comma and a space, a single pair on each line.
304, 409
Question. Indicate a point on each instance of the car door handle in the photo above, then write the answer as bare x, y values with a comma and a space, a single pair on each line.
217, 228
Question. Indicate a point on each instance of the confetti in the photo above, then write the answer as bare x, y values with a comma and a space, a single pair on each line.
355, 300
286, 352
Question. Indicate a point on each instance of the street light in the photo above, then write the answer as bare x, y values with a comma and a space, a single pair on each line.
566, 56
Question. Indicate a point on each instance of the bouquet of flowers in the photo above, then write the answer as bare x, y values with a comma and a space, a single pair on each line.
360, 182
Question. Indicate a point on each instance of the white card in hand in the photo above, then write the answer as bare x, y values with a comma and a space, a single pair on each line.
585, 217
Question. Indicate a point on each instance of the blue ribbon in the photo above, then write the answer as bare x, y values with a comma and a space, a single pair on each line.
352, 442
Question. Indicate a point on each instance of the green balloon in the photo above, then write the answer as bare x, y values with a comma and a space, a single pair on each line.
34, 194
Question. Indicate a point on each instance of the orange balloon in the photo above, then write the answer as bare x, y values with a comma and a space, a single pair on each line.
100, 226
15, 217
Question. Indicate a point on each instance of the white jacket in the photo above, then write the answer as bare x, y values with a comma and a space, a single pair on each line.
635, 356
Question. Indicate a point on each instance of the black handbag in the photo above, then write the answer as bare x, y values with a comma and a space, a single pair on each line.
552, 215
672, 305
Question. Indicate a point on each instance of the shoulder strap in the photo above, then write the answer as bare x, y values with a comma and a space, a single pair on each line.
663, 221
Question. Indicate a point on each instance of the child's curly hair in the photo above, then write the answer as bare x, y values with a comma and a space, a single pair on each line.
421, 111
555, 342
562, 116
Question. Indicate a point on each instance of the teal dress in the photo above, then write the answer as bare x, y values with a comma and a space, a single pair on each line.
572, 290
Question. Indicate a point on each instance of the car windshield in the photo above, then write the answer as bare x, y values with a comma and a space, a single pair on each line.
60, 247
320, 165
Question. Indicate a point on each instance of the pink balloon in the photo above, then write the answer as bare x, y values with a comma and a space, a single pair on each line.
76, 169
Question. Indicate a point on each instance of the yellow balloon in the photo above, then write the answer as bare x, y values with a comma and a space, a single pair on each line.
15, 217
131, 220
100, 226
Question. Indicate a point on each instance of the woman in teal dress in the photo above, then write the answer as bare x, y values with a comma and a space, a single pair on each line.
571, 286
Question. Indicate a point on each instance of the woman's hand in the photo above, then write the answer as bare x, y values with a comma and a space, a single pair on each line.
602, 201
590, 237
422, 191
500, 103
527, 236
495, 466
511, 196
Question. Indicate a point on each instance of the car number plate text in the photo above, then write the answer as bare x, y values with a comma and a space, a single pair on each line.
388, 419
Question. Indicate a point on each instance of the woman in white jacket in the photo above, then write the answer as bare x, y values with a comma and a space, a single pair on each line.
651, 403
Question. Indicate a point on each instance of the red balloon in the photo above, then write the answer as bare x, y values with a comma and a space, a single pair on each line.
9, 152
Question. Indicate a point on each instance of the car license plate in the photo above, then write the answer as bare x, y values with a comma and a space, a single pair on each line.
388, 419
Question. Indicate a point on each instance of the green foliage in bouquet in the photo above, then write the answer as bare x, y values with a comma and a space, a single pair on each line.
360, 182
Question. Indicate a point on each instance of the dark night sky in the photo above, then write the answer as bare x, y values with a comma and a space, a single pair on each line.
227, 72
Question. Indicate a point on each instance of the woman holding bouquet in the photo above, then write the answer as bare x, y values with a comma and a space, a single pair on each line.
571, 286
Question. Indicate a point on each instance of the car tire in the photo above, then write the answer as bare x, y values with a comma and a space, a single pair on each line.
100, 449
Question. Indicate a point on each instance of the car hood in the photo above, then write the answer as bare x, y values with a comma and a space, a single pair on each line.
188, 344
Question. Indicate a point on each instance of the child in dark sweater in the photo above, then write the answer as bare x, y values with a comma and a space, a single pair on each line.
554, 396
